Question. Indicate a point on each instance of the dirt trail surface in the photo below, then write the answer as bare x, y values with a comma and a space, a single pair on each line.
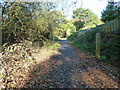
71, 68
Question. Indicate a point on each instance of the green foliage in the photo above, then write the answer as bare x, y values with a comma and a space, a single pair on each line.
72, 36
45, 26
78, 23
31, 21
110, 48
111, 12
84, 17
16, 18
66, 29
109, 44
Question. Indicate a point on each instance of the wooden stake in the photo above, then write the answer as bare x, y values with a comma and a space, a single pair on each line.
98, 45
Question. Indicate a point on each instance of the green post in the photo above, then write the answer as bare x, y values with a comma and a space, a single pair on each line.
98, 45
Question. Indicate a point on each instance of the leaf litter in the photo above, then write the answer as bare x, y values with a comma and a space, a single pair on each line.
66, 67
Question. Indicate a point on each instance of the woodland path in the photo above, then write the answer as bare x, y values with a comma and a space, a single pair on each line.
72, 68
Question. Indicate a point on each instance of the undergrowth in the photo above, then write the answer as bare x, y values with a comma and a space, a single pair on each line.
109, 45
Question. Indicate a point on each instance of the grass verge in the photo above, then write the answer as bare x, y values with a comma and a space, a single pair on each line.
109, 45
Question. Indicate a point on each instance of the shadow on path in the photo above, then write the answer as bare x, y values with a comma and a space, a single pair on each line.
71, 68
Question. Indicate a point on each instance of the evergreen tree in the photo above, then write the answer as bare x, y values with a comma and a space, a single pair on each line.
111, 12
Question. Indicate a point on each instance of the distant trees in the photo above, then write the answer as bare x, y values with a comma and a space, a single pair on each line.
66, 29
78, 23
84, 17
111, 12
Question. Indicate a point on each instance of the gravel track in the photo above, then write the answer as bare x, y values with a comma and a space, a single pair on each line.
71, 68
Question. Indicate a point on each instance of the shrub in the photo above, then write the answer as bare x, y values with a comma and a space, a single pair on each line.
73, 36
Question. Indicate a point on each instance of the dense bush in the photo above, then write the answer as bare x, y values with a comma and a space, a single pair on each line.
32, 21
72, 36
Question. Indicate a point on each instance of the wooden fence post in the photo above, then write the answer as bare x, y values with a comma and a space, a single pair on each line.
98, 45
